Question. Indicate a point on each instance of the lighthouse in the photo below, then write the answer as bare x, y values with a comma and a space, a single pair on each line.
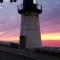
30, 36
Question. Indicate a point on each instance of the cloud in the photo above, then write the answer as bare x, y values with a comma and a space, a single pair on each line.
1, 33
50, 36
10, 19
50, 17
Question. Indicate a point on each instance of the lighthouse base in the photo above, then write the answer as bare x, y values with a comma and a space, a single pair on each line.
30, 28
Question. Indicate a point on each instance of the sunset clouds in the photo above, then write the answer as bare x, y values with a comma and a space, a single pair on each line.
50, 17
10, 21
50, 36
50, 23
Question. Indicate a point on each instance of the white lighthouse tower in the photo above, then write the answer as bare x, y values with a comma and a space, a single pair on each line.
30, 36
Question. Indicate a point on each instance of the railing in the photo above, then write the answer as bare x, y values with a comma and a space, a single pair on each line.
39, 6
30, 54
20, 7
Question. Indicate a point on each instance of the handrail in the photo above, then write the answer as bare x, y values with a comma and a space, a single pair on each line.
39, 6
20, 7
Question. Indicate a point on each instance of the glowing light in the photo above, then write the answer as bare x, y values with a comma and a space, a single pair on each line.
50, 36
35, 1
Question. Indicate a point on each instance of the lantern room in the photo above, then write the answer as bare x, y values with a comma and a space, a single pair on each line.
29, 6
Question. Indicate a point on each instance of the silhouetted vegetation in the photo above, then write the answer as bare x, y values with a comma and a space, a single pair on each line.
9, 44
14, 45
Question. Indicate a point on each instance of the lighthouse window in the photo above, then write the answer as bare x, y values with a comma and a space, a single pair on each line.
35, 1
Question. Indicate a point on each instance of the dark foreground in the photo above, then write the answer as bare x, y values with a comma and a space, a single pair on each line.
38, 54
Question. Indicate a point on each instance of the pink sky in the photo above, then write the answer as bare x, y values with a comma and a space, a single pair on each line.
49, 22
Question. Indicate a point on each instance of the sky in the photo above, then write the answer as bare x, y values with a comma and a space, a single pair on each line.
50, 22
10, 22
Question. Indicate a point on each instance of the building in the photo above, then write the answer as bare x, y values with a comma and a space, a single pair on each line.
30, 23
